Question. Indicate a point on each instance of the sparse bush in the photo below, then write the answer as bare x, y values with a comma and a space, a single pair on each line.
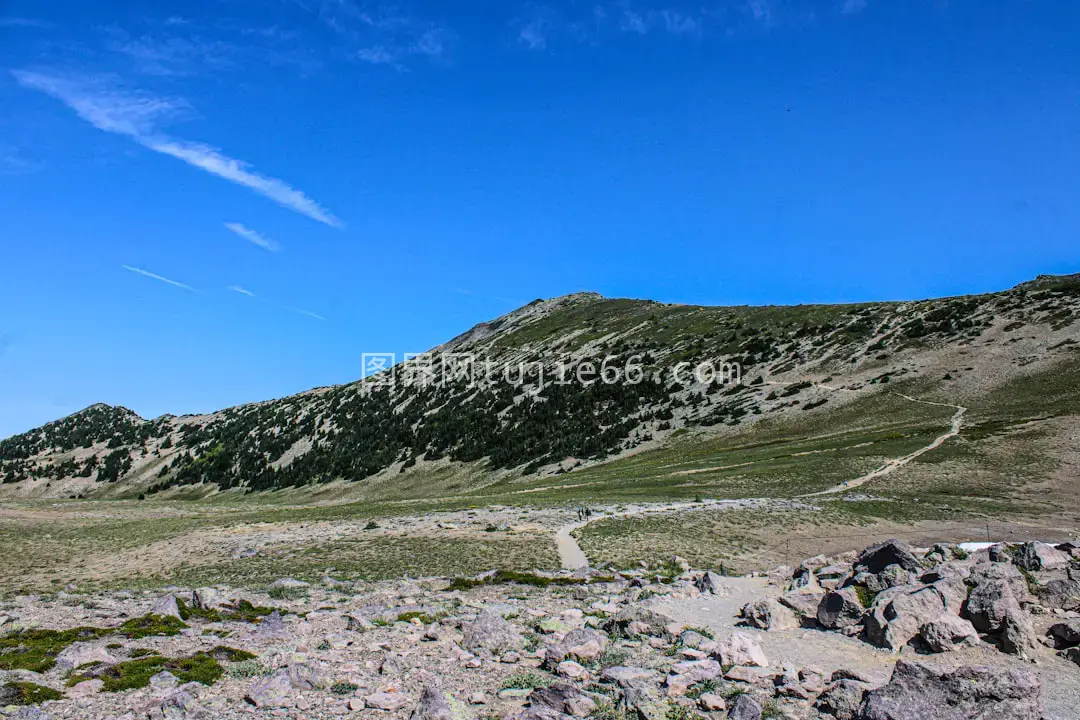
526, 680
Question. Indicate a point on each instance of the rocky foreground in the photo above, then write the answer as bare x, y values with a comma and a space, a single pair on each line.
558, 646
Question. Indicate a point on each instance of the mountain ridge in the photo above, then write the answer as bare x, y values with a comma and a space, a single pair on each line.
360, 430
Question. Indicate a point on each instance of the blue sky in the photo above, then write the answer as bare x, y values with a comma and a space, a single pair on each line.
203, 204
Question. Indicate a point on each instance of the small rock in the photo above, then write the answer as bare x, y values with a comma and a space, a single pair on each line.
745, 708
206, 598
712, 703
86, 688
741, 649
709, 582
571, 669
433, 705
164, 680
491, 632
166, 607
387, 701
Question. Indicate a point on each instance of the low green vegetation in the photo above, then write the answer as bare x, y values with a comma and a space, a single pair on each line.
527, 680
200, 667
26, 693
36, 650
148, 625
503, 577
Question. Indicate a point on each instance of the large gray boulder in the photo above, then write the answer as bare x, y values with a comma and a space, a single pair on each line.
989, 603
803, 604
839, 609
1005, 572
916, 692
492, 633
891, 576
1040, 556
948, 632
581, 644
876, 558
1063, 592
953, 591
166, 606
898, 615
1017, 635
83, 653
768, 614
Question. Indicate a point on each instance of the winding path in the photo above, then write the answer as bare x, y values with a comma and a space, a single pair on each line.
897, 463
573, 557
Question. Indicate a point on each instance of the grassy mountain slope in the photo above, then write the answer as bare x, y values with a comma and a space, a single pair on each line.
814, 407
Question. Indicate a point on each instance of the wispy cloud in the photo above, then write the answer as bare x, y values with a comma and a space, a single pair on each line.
213, 161
376, 55
429, 43
247, 293
160, 278
12, 162
21, 22
175, 55
137, 115
852, 7
379, 33
308, 313
253, 236
543, 24
532, 35
178, 47
761, 10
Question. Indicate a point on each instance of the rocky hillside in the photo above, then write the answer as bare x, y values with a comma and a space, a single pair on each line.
891, 633
560, 385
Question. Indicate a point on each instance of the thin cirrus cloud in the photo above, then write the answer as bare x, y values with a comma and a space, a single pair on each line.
253, 236
159, 278
247, 293
137, 115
